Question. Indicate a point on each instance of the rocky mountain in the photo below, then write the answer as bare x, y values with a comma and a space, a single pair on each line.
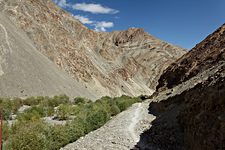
122, 62
206, 54
45, 51
24, 71
187, 116
190, 111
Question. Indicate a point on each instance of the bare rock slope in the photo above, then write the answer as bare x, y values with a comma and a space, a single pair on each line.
122, 62
191, 115
202, 57
24, 71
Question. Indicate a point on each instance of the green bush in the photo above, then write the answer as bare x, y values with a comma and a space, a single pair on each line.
76, 129
29, 136
124, 102
31, 101
49, 111
16, 104
97, 119
78, 100
29, 116
63, 112
6, 108
30, 133
5, 131
58, 136
114, 110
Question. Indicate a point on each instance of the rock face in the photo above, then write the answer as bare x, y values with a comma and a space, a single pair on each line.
205, 55
191, 115
122, 62
190, 118
202, 118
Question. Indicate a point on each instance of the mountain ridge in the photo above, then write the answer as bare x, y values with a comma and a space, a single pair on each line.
122, 62
203, 56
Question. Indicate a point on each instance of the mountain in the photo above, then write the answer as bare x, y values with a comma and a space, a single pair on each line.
190, 110
24, 71
206, 54
187, 116
121, 62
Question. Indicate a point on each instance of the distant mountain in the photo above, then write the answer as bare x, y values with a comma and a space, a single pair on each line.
122, 62
206, 54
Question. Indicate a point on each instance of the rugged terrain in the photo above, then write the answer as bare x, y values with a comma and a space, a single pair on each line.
192, 117
202, 57
45, 51
188, 116
24, 71
122, 62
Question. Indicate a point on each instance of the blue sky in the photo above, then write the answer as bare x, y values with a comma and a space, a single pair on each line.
180, 22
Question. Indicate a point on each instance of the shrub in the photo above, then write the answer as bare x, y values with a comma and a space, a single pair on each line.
46, 101
6, 108
97, 119
29, 136
57, 100
78, 100
58, 136
30, 133
63, 111
114, 110
31, 101
6, 131
76, 129
124, 102
32, 114
49, 111
16, 104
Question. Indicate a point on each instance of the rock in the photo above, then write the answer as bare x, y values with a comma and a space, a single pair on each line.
23, 108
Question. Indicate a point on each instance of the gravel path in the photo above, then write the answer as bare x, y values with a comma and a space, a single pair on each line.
122, 132
134, 122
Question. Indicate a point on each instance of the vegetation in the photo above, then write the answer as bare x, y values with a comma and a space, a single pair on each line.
31, 132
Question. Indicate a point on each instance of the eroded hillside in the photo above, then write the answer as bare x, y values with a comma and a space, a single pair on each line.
205, 55
121, 62
24, 71
190, 115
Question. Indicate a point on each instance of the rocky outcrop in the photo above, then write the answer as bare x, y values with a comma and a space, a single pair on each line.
205, 55
122, 62
193, 119
202, 118
191, 115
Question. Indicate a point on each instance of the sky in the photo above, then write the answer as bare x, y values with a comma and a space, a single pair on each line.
179, 22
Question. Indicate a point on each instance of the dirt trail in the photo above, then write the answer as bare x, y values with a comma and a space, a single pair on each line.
134, 121
122, 132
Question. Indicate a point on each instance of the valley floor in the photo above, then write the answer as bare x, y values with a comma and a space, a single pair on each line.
122, 132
